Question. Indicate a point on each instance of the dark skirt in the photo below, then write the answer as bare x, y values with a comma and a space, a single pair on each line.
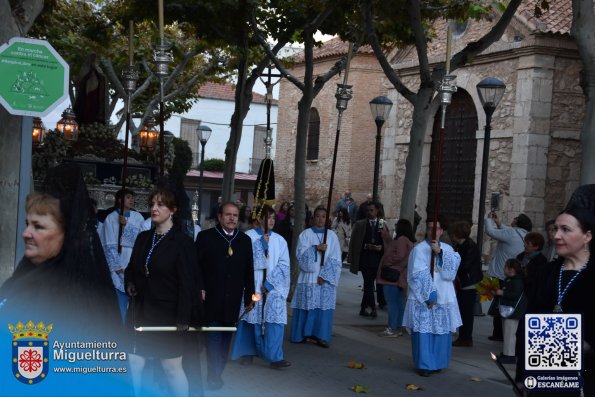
158, 344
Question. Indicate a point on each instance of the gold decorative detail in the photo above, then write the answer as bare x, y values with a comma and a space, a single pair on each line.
229, 251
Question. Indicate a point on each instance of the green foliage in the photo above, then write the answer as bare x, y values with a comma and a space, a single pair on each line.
99, 140
183, 160
212, 165
49, 154
77, 28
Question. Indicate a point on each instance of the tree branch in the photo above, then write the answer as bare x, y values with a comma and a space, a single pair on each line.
366, 8
472, 49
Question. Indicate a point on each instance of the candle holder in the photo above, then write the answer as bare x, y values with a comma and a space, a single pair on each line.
162, 56
343, 95
129, 78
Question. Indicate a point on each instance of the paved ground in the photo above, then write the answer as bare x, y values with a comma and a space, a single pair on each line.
388, 365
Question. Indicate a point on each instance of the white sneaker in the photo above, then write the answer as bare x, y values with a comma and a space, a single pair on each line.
388, 333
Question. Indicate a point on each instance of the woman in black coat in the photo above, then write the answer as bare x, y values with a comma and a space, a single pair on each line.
164, 292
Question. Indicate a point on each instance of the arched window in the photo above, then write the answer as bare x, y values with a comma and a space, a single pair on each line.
313, 135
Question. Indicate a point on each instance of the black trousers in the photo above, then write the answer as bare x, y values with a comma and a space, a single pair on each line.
369, 274
466, 300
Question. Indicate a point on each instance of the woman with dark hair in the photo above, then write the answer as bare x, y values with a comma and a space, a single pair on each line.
342, 226
164, 292
396, 255
468, 274
62, 285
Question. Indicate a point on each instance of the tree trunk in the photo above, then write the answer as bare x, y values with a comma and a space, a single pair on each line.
299, 182
583, 31
421, 118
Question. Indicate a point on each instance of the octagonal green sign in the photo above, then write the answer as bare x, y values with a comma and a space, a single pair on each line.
34, 77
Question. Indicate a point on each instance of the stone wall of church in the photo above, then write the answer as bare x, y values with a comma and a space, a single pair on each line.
355, 155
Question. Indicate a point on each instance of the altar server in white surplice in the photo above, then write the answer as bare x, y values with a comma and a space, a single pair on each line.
262, 333
132, 224
315, 295
432, 312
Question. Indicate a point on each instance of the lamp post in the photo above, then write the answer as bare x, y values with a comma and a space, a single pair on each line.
380, 107
490, 91
37, 132
204, 133
68, 126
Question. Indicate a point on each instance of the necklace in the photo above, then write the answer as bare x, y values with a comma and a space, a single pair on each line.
229, 240
562, 292
153, 245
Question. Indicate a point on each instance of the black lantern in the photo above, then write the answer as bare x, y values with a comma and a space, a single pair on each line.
38, 131
148, 136
380, 107
68, 126
490, 91
204, 133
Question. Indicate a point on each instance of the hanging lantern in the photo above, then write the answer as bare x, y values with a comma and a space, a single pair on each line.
68, 126
37, 132
148, 136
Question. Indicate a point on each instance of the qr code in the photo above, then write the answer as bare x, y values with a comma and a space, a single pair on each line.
553, 342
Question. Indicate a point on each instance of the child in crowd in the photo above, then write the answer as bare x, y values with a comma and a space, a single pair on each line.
511, 294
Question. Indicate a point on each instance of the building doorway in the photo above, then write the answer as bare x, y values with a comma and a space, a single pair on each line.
459, 152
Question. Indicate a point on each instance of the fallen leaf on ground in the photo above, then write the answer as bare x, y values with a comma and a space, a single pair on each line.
359, 389
475, 379
355, 365
412, 386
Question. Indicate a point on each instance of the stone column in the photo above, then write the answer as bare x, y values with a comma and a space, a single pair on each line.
531, 136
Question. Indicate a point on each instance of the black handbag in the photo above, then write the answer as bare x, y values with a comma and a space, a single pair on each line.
390, 274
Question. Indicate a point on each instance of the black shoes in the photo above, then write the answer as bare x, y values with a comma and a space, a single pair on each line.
496, 338
424, 373
366, 313
504, 359
463, 343
374, 314
280, 364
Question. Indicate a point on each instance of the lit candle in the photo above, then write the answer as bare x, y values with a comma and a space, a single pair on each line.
448, 45
131, 43
161, 20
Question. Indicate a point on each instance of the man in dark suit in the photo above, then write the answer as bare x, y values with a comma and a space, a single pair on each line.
365, 251
226, 263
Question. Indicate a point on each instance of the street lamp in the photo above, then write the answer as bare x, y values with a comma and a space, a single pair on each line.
38, 131
490, 91
148, 136
380, 107
204, 133
68, 126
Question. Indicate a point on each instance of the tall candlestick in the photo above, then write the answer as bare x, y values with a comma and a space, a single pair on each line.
349, 51
448, 49
161, 20
131, 43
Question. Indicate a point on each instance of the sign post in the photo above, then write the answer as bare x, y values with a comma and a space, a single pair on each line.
34, 81
34, 77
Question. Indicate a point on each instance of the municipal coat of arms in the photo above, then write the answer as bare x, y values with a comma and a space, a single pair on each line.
30, 351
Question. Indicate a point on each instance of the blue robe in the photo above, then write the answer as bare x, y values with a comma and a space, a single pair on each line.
431, 328
314, 305
251, 338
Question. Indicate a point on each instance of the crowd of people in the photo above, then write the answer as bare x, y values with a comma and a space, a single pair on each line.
108, 280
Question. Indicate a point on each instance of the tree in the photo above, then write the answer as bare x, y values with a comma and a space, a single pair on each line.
583, 31
96, 35
306, 18
383, 27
